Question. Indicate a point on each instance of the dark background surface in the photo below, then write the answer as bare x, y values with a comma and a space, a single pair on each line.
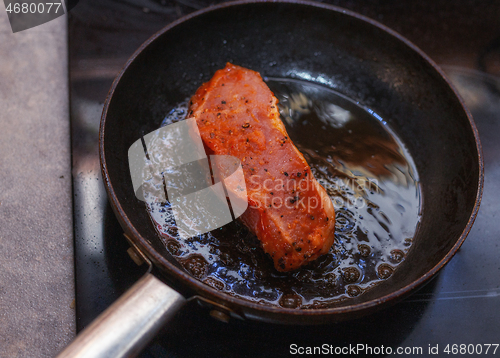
460, 306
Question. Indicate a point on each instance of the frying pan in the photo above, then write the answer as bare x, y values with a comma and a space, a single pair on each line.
352, 54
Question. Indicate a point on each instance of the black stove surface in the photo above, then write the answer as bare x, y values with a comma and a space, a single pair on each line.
459, 306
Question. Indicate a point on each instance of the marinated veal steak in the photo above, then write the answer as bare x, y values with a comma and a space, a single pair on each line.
288, 209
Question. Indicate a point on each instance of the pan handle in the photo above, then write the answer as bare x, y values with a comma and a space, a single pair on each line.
129, 323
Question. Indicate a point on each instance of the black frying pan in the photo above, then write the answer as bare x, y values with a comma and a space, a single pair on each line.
368, 63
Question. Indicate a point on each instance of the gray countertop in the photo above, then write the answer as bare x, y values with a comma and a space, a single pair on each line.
37, 317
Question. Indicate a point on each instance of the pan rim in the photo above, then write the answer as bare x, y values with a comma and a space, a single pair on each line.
207, 290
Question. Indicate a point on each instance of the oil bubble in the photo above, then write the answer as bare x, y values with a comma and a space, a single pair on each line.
397, 256
196, 265
364, 250
173, 247
214, 283
353, 290
172, 231
290, 300
344, 221
331, 279
350, 274
384, 271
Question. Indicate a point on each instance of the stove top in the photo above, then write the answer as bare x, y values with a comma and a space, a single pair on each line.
459, 306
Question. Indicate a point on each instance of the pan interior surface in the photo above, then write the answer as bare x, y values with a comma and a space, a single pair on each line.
350, 55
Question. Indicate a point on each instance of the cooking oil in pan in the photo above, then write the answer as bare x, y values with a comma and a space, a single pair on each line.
371, 180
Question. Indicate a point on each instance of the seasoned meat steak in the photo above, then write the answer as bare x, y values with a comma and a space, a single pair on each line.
288, 210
